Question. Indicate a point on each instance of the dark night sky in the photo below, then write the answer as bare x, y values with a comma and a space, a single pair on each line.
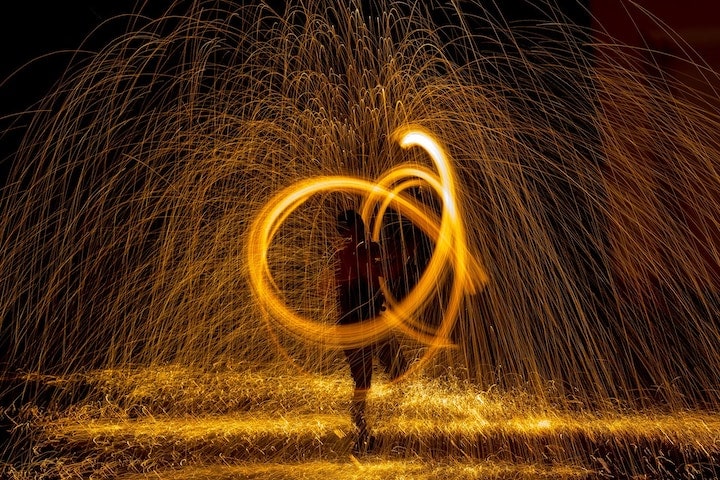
38, 39
31, 29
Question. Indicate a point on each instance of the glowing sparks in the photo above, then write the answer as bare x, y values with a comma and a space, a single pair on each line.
429, 418
128, 224
175, 196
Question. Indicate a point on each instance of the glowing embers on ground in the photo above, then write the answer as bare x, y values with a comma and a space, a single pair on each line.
388, 191
178, 422
372, 469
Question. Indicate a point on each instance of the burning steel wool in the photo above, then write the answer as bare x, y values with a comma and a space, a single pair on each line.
168, 234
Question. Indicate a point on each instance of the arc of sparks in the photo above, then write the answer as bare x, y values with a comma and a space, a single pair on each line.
447, 232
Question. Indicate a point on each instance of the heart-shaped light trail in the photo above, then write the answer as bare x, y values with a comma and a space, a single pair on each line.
447, 232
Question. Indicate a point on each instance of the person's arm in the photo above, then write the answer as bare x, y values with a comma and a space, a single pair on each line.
397, 256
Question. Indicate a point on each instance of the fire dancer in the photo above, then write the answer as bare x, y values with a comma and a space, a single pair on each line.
358, 269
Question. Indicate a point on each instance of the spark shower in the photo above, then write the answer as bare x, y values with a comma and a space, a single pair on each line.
579, 217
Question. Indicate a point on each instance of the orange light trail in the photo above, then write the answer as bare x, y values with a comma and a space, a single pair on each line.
450, 248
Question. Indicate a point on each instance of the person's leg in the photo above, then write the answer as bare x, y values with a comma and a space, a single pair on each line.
360, 360
392, 358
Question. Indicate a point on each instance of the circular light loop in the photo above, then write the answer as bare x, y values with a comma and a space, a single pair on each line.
447, 233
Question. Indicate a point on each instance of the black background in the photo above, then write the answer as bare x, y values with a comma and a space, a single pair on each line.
39, 40
54, 29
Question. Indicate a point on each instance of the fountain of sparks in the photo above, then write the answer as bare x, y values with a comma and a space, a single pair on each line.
171, 209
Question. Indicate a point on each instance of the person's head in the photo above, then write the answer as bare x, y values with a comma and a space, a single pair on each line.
350, 224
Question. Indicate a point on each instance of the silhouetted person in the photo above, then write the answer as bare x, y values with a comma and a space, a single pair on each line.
357, 273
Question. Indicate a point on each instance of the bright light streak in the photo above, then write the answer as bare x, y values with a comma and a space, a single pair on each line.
450, 248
